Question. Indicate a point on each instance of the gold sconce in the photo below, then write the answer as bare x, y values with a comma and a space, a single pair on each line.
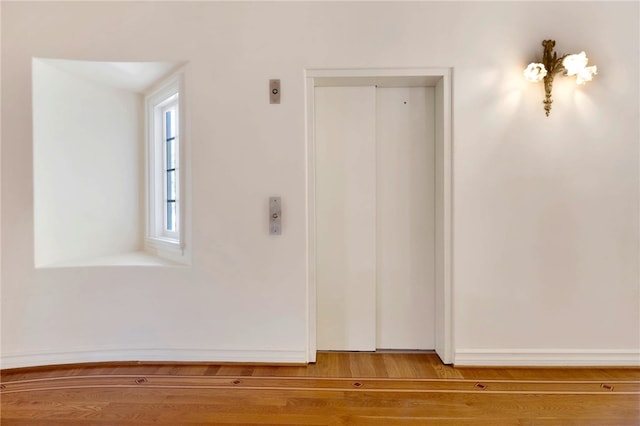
551, 65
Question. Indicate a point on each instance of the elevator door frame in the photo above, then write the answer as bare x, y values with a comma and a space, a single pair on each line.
440, 78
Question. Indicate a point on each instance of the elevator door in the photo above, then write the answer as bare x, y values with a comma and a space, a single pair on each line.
375, 218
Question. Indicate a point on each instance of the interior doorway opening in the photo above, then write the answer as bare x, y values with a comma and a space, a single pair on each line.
379, 206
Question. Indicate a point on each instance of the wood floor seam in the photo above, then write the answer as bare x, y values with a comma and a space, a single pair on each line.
558, 387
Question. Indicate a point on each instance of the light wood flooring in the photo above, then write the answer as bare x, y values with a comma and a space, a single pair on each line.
340, 389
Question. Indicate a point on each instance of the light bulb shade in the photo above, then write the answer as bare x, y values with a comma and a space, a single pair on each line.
535, 72
586, 74
574, 64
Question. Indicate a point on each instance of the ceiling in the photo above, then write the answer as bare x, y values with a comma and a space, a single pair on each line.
132, 76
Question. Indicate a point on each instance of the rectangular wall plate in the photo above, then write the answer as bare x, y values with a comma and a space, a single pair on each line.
274, 91
275, 216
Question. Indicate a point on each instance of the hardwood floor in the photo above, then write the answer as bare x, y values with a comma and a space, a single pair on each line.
340, 389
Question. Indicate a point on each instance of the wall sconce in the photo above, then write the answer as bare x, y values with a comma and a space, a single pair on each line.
551, 65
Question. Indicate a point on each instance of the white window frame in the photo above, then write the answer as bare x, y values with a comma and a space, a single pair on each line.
157, 238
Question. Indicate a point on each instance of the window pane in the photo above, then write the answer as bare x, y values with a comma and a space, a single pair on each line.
170, 118
171, 154
171, 185
171, 216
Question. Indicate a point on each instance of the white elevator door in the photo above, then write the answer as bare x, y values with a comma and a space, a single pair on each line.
346, 218
375, 218
405, 123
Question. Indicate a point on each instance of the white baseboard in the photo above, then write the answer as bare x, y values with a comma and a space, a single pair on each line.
465, 357
547, 357
154, 355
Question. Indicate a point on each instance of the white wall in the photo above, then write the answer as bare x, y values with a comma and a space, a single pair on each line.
87, 165
546, 216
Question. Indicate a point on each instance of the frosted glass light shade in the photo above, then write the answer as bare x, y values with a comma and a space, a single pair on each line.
574, 64
586, 74
535, 72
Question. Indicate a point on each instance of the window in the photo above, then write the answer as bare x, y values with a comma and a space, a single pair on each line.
164, 180
170, 138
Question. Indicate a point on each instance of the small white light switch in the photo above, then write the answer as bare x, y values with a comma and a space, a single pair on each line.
275, 216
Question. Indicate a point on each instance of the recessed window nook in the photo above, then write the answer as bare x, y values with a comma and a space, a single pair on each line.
92, 166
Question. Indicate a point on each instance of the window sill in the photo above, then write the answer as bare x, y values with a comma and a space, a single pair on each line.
167, 244
165, 248
136, 258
